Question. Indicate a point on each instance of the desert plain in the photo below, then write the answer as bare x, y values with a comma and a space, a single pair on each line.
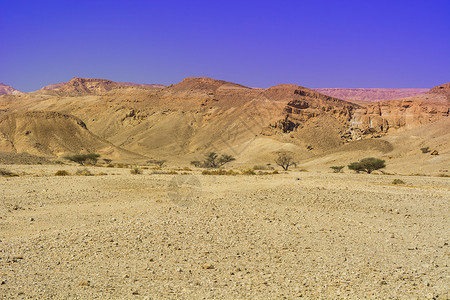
289, 235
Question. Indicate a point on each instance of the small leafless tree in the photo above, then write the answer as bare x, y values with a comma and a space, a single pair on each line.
285, 160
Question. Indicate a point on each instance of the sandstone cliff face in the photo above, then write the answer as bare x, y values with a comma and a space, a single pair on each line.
387, 116
305, 104
8, 90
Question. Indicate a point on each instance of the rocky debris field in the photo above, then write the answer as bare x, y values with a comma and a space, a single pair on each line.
299, 234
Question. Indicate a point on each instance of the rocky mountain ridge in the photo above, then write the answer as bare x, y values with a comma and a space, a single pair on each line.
201, 114
8, 90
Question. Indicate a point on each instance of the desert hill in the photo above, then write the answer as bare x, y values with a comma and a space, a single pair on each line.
185, 120
8, 90
61, 84
50, 134
365, 96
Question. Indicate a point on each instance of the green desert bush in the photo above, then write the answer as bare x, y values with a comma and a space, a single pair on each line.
367, 165
425, 149
62, 173
337, 169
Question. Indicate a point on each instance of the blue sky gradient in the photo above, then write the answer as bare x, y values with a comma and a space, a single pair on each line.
350, 44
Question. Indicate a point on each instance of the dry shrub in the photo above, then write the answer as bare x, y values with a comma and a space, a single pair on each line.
136, 171
84, 172
7, 173
398, 181
164, 172
259, 167
62, 173
101, 174
219, 172
248, 172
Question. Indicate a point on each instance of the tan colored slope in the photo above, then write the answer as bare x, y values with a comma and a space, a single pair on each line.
52, 133
401, 151
365, 96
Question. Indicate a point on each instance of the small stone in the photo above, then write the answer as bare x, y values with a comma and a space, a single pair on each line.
134, 293
31, 219
179, 270
208, 266
84, 283
3, 282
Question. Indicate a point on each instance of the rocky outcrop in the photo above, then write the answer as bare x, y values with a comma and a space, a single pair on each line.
443, 89
54, 86
306, 104
382, 117
8, 90
88, 86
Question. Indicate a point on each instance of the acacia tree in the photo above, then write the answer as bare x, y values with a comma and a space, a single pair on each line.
157, 162
212, 160
367, 165
82, 159
285, 160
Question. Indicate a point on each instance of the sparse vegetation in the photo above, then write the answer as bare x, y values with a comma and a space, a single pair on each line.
285, 160
248, 172
136, 171
62, 173
425, 149
337, 169
160, 163
219, 172
259, 167
212, 160
58, 162
398, 181
443, 175
83, 159
367, 165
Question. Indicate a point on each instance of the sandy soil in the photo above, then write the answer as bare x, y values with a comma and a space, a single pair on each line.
310, 234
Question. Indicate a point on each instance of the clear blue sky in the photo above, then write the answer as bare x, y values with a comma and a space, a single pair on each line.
364, 43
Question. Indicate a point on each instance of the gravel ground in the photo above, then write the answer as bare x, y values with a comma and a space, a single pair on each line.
316, 235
